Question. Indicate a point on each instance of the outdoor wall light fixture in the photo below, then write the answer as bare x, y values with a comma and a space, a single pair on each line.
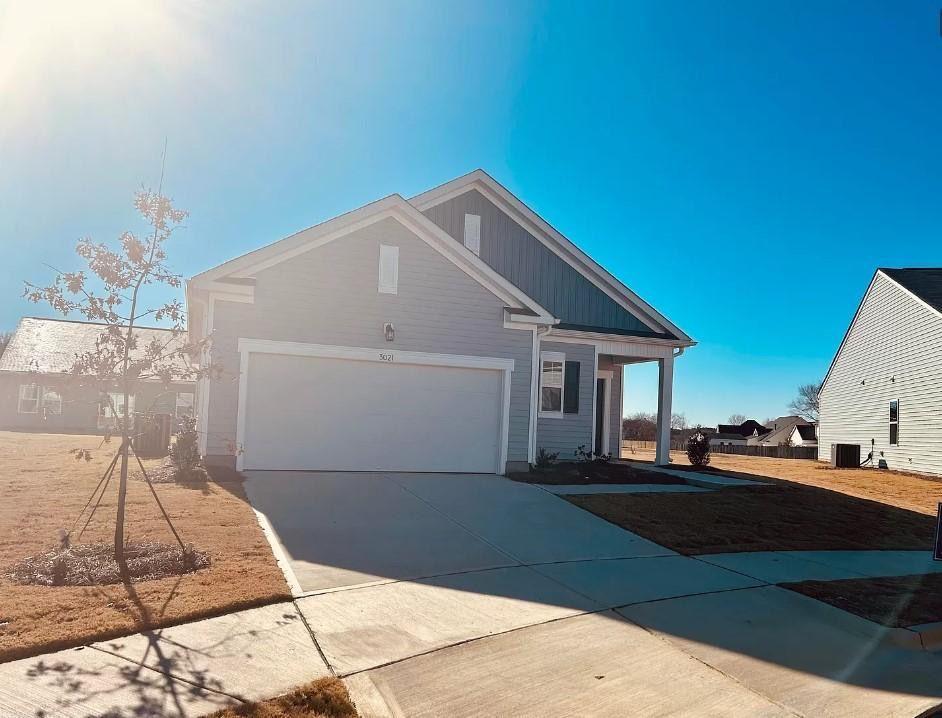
389, 331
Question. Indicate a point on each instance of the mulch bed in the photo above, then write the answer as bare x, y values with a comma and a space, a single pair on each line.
593, 473
95, 565
42, 491
784, 517
896, 601
323, 698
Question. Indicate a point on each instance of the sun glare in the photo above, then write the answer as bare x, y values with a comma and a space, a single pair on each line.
55, 47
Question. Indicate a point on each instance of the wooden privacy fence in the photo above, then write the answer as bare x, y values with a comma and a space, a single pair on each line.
774, 452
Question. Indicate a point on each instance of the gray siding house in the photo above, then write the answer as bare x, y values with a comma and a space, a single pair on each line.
39, 392
454, 331
883, 390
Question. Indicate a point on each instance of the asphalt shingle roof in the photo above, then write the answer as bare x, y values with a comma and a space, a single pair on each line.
51, 345
924, 282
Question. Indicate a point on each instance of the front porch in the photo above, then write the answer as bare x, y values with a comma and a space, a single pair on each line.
596, 418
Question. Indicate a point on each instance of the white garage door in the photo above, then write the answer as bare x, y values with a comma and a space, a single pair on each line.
315, 413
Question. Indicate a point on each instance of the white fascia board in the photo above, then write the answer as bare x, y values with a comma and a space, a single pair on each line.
552, 239
394, 207
575, 335
282, 249
389, 356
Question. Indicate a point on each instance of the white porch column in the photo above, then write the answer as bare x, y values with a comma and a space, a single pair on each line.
665, 389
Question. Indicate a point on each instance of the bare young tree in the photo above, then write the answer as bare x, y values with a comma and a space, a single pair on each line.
736, 419
678, 421
111, 295
806, 403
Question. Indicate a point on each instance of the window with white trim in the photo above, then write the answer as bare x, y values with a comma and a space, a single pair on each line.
184, 404
552, 366
894, 422
388, 269
107, 416
29, 399
52, 402
472, 232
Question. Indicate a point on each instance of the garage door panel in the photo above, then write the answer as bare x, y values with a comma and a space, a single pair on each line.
346, 415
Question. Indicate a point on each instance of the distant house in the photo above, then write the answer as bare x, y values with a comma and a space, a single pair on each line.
743, 434
38, 392
883, 390
789, 431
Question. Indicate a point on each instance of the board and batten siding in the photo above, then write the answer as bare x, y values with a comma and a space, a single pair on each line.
563, 434
893, 350
329, 296
520, 257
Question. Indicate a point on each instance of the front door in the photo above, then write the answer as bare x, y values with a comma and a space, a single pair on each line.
599, 414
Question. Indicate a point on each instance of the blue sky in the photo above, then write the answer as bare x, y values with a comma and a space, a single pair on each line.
744, 166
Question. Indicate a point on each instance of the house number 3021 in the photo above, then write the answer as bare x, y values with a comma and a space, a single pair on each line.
385, 357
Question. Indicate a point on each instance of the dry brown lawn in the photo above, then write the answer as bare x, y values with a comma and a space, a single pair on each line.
42, 490
781, 517
323, 698
892, 600
896, 488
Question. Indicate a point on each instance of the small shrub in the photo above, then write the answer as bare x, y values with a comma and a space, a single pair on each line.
589, 456
698, 448
545, 459
185, 452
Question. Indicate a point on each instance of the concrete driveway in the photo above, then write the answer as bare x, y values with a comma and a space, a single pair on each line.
469, 595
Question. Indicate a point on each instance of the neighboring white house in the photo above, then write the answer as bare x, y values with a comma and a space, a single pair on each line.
883, 390
454, 331
789, 431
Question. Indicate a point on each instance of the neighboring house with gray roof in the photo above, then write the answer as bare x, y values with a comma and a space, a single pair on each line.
39, 392
744, 434
454, 331
883, 390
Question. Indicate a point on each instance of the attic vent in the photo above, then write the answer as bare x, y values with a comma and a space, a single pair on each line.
388, 269
472, 233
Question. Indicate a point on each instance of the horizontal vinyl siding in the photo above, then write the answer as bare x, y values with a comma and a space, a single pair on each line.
563, 435
895, 348
80, 400
329, 296
529, 264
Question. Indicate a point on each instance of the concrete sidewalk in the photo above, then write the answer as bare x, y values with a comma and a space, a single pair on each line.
186, 670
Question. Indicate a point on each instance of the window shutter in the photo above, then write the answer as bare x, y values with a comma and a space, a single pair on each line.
472, 233
571, 392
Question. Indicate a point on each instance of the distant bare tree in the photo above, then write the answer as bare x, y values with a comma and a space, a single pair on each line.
736, 419
639, 426
806, 403
678, 421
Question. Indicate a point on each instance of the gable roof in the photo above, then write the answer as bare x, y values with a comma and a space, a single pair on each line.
555, 241
50, 346
239, 272
749, 427
807, 432
924, 284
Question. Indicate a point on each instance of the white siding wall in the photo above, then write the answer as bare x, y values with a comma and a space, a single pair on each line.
895, 348
329, 296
